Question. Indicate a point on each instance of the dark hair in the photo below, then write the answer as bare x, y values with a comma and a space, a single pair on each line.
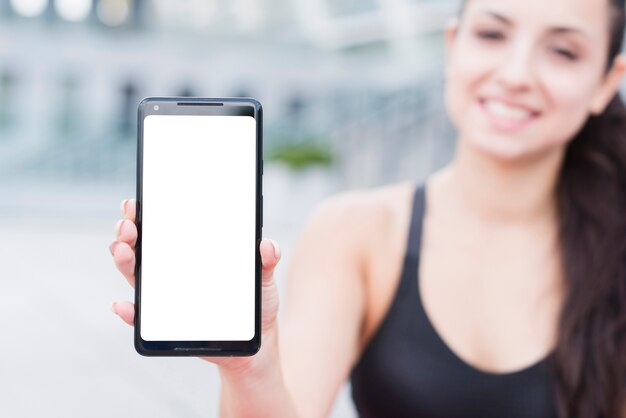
589, 361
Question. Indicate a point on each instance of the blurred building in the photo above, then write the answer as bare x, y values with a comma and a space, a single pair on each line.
361, 79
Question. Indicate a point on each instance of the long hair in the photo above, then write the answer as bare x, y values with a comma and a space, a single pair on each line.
589, 362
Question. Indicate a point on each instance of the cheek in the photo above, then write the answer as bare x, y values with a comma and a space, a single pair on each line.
464, 75
452, 101
568, 104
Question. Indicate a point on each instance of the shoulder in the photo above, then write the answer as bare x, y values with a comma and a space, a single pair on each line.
362, 211
364, 226
380, 203
366, 233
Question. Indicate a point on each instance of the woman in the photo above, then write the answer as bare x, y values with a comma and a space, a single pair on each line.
496, 289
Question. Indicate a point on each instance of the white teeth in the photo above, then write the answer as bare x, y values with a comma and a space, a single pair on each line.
503, 110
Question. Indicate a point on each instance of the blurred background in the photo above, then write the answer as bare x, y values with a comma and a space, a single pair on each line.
352, 95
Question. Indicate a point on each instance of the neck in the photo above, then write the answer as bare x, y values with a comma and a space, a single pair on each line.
496, 191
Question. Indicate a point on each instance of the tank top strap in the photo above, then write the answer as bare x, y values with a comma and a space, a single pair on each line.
407, 287
417, 218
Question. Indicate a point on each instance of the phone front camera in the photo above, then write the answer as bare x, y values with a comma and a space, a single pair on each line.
156, 107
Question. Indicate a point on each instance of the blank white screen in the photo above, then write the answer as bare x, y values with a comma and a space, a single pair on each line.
198, 228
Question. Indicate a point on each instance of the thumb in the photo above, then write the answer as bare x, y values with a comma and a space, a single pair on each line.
270, 256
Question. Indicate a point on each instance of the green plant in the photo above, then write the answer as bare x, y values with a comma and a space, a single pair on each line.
302, 154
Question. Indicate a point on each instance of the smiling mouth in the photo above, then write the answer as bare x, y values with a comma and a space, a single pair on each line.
507, 115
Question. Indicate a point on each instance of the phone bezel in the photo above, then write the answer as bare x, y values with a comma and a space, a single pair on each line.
200, 106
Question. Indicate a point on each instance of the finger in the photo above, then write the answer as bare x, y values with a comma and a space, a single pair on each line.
124, 257
125, 310
126, 231
270, 256
128, 209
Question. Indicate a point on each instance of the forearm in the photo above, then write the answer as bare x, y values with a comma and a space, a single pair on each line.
258, 390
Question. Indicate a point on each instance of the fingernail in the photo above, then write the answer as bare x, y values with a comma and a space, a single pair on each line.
123, 206
118, 227
112, 247
276, 249
113, 307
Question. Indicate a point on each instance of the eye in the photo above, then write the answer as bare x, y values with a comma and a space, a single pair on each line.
565, 53
490, 35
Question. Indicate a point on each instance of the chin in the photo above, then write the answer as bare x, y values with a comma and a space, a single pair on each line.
508, 151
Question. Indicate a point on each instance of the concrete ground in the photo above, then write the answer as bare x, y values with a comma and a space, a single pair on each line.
64, 353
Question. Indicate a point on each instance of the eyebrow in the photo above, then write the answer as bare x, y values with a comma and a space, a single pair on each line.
555, 30
562, 29
499, 17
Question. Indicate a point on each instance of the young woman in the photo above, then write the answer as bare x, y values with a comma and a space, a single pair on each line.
497, 288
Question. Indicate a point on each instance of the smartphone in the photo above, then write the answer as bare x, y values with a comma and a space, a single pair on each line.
199, 219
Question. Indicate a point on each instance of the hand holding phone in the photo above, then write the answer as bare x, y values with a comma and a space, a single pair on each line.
245, 380
123, 252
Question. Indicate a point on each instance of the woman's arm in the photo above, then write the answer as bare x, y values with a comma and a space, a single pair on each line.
301, 367
259, 390
322, 315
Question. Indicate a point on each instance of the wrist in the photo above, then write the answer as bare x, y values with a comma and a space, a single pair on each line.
256, 387
261, 365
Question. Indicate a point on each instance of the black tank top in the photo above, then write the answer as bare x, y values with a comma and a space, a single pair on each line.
407, 370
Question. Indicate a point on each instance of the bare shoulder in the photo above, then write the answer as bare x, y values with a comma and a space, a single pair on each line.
364, 209
371, 226
368, 228
361, 229
390, 202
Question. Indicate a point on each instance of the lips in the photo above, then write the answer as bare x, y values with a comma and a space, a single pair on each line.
507, 115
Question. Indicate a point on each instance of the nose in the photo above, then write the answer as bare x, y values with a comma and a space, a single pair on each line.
515, 73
